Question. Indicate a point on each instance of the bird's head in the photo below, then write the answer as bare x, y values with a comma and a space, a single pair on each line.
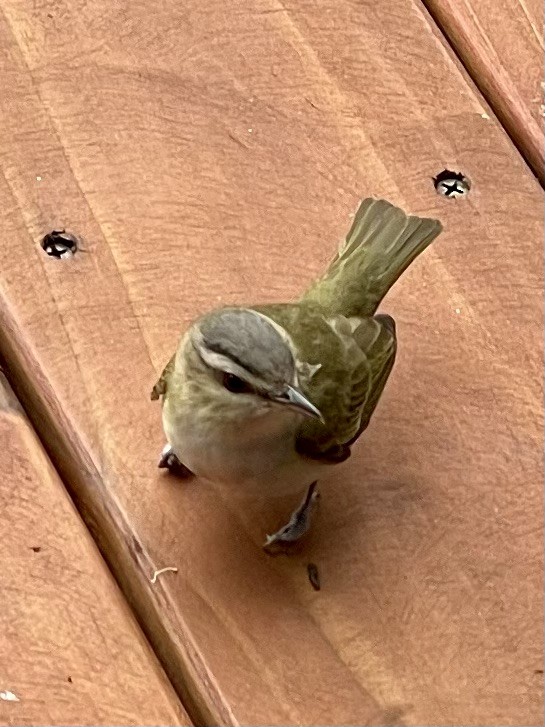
246, 364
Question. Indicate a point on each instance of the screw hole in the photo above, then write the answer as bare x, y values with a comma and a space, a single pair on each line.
451, 184
59, 244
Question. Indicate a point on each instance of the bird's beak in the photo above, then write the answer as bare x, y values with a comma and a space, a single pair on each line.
294, 399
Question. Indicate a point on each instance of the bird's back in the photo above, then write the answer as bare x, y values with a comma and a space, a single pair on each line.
343, 364
347, 352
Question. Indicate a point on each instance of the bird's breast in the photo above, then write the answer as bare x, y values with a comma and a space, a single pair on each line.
250, 456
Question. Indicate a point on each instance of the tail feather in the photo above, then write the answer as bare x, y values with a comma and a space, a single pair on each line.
382, 242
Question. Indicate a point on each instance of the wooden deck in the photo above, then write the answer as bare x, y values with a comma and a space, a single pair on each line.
72, 652
209, 153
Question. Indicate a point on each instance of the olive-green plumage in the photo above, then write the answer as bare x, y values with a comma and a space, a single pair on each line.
334, 326
330, 347
355, 358
381, 244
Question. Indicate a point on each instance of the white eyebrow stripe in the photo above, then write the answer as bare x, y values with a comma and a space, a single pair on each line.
219, 362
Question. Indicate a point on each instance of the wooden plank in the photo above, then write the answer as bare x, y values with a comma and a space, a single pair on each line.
211, 155
70, 649
500, 42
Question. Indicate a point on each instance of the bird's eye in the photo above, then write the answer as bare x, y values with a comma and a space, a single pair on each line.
234, 384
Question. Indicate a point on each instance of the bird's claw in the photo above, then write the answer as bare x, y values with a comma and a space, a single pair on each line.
170, 461
297, 526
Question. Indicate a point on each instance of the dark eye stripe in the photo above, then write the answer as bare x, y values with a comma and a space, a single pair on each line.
234, 384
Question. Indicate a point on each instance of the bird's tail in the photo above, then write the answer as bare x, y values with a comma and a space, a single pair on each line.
382, 242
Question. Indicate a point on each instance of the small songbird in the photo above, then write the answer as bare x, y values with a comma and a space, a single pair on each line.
263, 399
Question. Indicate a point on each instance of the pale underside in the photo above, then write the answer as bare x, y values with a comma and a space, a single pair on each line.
343, 364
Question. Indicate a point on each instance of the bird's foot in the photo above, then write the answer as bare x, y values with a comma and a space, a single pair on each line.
170, 462
297, 526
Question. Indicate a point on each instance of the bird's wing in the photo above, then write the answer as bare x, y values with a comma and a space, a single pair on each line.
161, 387
344, 366
376, 337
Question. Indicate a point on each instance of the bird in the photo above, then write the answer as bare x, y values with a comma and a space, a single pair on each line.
265, 399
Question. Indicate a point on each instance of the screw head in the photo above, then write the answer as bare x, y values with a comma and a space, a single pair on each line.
451, 184
60, 244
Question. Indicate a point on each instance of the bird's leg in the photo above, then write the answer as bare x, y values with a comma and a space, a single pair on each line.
298, 524
170, 462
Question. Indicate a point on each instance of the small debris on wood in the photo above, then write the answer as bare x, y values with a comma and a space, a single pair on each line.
237, 140
8, 696
157, 573
314, 576
311, 103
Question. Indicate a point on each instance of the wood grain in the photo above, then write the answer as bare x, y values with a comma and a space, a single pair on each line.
212, 154
500, 42
70, 649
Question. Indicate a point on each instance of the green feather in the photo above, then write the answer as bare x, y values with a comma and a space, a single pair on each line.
346, 353
334, 326
160, 388
381, 244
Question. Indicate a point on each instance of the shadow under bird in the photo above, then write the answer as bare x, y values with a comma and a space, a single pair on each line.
262, 400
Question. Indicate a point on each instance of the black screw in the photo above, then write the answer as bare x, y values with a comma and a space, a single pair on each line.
451, 184
60, 244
